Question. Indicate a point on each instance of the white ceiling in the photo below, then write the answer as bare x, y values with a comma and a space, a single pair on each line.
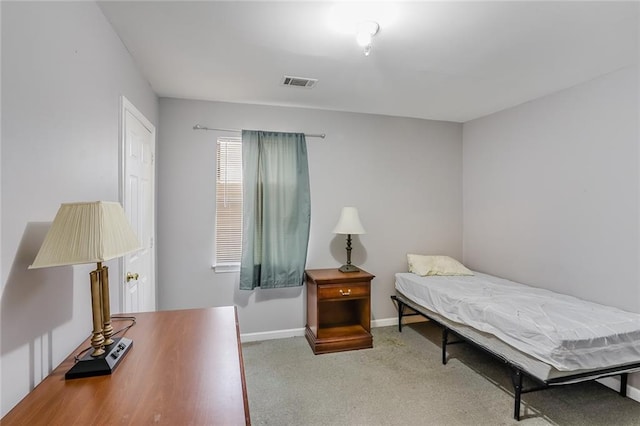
452, 61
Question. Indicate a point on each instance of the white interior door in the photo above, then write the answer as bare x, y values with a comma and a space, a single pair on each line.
139, 135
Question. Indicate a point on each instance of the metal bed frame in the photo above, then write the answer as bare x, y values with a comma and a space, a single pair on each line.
518, 372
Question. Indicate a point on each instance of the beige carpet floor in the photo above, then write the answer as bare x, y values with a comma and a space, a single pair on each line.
401, 381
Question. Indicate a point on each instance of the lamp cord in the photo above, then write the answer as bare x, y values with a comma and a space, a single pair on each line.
78, 356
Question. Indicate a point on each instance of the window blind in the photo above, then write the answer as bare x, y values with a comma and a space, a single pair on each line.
228, 232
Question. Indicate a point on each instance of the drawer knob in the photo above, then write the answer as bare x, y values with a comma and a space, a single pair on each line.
345, 293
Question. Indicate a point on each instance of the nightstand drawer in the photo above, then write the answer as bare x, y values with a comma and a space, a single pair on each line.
345, 291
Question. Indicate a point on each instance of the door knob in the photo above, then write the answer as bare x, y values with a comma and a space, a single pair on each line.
132, 276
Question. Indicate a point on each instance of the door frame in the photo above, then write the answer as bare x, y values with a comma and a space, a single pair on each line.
127, 106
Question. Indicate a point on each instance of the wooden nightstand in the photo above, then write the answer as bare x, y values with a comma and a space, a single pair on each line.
338, 310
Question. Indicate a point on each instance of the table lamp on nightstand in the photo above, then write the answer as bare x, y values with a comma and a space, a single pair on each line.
349, 224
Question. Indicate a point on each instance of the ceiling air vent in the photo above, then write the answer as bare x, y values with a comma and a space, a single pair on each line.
288, 80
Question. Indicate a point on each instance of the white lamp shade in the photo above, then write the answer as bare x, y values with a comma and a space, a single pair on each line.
349, 222
87, 232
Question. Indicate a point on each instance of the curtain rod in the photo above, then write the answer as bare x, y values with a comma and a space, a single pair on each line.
199, 127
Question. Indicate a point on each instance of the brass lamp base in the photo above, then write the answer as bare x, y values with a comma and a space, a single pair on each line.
349, 268
102, 365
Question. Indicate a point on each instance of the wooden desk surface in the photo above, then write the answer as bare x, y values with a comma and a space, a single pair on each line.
185, 367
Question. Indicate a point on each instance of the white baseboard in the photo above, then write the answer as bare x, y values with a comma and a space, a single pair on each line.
614, 383
297, 332
385, 322
270, 335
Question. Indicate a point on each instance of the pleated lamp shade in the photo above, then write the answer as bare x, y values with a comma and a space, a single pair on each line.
349, 222
87, 232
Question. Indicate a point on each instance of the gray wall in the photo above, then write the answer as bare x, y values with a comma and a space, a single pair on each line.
551, 193
404, 175
63, 71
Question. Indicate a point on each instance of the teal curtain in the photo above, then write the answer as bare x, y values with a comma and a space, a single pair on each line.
276, 209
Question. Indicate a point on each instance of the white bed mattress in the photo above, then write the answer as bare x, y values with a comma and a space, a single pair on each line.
563, 331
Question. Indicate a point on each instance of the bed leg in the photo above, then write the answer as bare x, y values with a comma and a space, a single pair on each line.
445, 339
400, 313
517, 387
623, 384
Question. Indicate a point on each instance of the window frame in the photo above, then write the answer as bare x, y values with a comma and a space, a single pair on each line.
227, 266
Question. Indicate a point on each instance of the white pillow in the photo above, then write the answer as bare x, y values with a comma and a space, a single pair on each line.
435, 265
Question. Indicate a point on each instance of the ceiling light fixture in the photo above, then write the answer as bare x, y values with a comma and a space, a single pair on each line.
364, 35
